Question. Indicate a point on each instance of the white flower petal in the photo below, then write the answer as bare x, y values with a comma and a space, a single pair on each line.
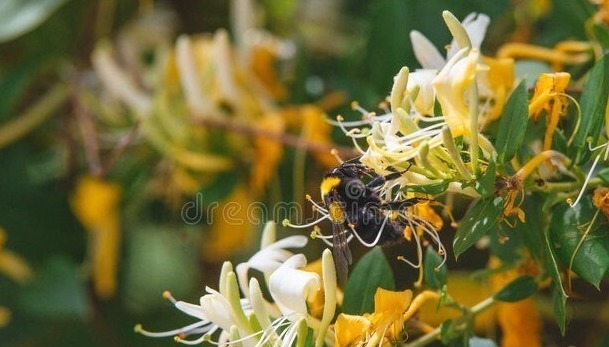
217, 309
424, 102
426, 53
191, 309
291, 287
268, 259
475, 25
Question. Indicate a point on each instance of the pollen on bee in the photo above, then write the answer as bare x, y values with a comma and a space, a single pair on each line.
336, 212
408, 233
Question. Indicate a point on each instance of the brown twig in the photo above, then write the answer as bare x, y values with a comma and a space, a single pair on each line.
286, 139
119, 149
87, 131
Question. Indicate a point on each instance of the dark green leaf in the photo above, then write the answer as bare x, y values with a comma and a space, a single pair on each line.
485, 185
593, 103
434, 277
221, 187
604, 175
15, 81
559, 301
560, 297
512, 124
602, 35
434, 188
518, 289
567, 229
17, 17
57, 291
477, 223
446, 331
370, 273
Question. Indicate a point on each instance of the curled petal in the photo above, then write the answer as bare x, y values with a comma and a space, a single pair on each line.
291, 287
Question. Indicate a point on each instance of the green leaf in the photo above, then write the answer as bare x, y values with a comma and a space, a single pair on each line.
17, 17
560, 297
434, 188
15, 81
434, 277
221, 187
164, 250
57, 291
485, 185
604, 175
370, 272
602, 35
593, 103
477, 223
519, 289
512, 124
559, 303
591, 261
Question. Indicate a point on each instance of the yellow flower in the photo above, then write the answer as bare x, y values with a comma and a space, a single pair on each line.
550, 97
11, 264
519, 321
95, 203
451, 85
267, 152
391, 310
349, 329
500, 80
231, 230
5, 316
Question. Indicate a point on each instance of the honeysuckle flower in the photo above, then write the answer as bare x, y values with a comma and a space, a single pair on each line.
271, 255
217, 311
551, 98
428, 55
297, 286
391, 310
95, 203
451, 85
251, 320
494, 82
600, 199
425, 98
563, 53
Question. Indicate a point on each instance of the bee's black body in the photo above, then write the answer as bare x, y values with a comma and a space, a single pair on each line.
356, 207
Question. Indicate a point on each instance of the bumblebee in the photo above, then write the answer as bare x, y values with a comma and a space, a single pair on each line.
356, 209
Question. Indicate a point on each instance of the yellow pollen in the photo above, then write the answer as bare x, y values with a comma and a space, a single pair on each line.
336, 212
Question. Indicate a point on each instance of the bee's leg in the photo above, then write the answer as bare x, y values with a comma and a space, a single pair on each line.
380, 180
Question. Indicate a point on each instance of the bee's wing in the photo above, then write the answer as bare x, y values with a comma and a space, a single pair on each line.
341, 251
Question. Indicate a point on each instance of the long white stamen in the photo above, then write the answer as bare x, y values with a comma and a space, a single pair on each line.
431, 231
185, 330
378, 236
316, 205
583, 190
286, 223
382, 118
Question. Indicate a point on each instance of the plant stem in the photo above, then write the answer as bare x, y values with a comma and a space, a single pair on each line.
435, 334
